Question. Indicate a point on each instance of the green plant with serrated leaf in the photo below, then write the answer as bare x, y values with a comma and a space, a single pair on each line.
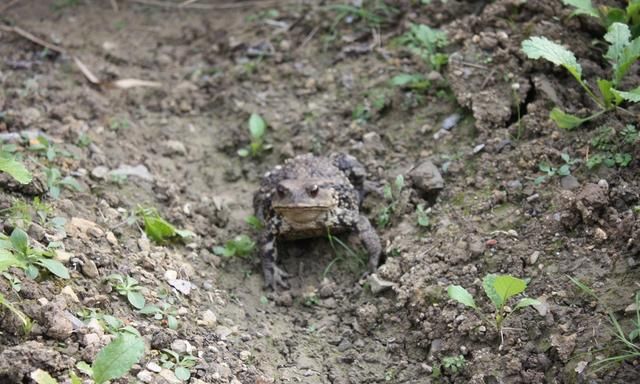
426, 43
128, 287
13, 167
550, 171
55, 182
391, 194
254, 222
612, 148
240, 245
257, 131
499, 289
622, 54
165, 312
158, 229
115, 359
15, 251
180, 365
608, 15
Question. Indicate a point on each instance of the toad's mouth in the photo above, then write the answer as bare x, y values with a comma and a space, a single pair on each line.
301, 214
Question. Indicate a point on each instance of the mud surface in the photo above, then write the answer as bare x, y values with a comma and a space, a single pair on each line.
322, 84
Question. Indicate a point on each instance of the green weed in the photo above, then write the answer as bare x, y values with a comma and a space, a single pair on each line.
44, 147
257, 130
180, 365
15, 251
128, 287
355, 261
27, 324
607, 15
240, 245
414, 82
391, 195
426, 43
622, 53
115, 359
15, 168
165, 311
55, 182
550, 171
373, 13
610, 147
422, 216
158, 229
499, 289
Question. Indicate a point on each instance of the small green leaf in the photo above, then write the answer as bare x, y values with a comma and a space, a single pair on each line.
20, 240
257, 126
399, 183
508, 286
42, 377
243, 152
461, 295
182, 373
583, 7
544, 167
633, 95
32, 271
605, 87
618, 37
71, 183
525, 302
136, 299
84, 368
8, 260
117, 358
540, 47
55, 267
254, 222
185, 233
15, 169
565, 120
149, 310
172, 322
74, 378
158, 229
489, 286
564, 170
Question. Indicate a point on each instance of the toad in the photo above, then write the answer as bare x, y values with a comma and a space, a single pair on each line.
311, 196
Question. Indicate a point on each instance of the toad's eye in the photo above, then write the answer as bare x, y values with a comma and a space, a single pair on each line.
313, 190
282, 191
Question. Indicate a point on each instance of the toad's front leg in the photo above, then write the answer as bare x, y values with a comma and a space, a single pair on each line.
370, 240
273, 276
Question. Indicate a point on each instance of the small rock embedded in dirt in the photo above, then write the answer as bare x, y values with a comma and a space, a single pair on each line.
327, 288
223, 332
600, 234
244, 355
533, 259
379, 285
426, 178
209, 319
163, 338
81, 228
182, 286
174, 147
153, 367
181, 346
564, 345
68, 291
139, 171
90, 269
170, 275
569, 182
450, 121
145, 376
100, 172
58, 325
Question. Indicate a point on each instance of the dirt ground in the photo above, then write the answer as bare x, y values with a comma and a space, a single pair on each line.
322, 84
